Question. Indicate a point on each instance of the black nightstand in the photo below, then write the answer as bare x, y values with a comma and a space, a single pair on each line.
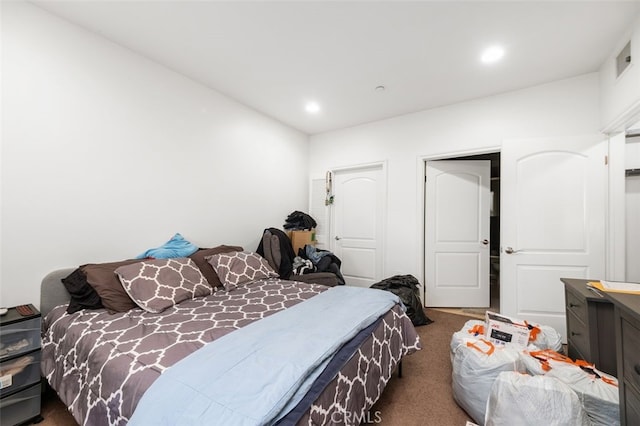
20, 387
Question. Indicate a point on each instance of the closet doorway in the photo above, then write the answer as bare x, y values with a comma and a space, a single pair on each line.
632, 207
462, 259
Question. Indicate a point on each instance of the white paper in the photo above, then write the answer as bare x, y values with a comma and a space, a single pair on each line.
6, 381
620, 286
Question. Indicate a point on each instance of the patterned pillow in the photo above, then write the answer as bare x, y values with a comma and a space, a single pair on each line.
158, 284
205, 267
235, 269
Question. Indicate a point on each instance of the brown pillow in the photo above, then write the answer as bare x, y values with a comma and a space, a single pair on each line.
158, 284
205, 267
102, 277
238, 268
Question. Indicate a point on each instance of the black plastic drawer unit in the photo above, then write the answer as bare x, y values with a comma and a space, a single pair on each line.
20, 383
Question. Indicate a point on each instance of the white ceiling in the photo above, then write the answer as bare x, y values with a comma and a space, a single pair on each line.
275, 56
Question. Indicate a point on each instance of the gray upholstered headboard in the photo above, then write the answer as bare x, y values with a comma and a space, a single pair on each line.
52, 291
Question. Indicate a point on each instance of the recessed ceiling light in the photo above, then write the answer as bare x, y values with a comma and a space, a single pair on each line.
492, 54
312, 107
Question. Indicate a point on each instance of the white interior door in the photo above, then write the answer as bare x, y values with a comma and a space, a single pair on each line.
457, 208
552, 223
358, 220
632, 204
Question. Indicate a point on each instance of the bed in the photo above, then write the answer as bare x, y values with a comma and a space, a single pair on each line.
117, 368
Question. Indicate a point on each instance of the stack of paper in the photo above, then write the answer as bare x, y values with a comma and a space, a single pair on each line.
616, 286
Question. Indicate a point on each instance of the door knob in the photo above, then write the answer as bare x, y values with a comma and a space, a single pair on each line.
337, 238
485, 241
510, 250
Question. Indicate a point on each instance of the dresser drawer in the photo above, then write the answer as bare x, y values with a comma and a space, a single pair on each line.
21, 406
19, 338
20, 372
578, 338
577, 306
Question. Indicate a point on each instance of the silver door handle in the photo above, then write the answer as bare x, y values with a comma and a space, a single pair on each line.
510, 250
337, 238
485, 241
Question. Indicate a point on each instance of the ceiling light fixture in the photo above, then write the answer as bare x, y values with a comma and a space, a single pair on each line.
380, 88
492, 54
312, 107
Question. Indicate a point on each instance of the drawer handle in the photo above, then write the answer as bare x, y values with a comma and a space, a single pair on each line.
573, 333
637, 368
573, 305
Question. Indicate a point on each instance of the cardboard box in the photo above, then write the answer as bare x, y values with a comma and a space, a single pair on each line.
504, 331
301, 238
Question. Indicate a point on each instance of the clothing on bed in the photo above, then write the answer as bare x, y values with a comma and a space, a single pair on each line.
177, 246
82, 295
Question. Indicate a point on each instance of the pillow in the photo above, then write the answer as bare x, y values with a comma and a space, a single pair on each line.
83, 296
102, 277
158, 284
205, 267
177, 246
235, 269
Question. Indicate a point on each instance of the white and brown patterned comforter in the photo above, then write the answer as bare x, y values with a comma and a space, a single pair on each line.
100, 364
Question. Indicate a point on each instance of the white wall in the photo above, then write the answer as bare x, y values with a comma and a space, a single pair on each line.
106, 154
568, 107
620, 95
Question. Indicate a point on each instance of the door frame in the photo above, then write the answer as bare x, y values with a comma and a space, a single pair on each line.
615, 232
383, 237
421, 163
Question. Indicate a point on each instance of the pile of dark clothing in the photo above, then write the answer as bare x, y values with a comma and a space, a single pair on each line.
311, 259
298, 221
406, 288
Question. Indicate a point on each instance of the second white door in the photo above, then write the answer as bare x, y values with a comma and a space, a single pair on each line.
358, 218
457, 209
553, 223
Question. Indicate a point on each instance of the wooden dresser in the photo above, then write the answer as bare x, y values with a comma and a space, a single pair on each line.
627, 331
601, 325
590, 326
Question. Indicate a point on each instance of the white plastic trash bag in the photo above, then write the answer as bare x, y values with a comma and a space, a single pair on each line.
536, 360
476, 364
542, 336
472, 329
598, 391
524, 400
546, 338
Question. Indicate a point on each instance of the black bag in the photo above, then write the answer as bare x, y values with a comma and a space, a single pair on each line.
406, 288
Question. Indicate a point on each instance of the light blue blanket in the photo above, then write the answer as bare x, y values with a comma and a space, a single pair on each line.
252, 375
